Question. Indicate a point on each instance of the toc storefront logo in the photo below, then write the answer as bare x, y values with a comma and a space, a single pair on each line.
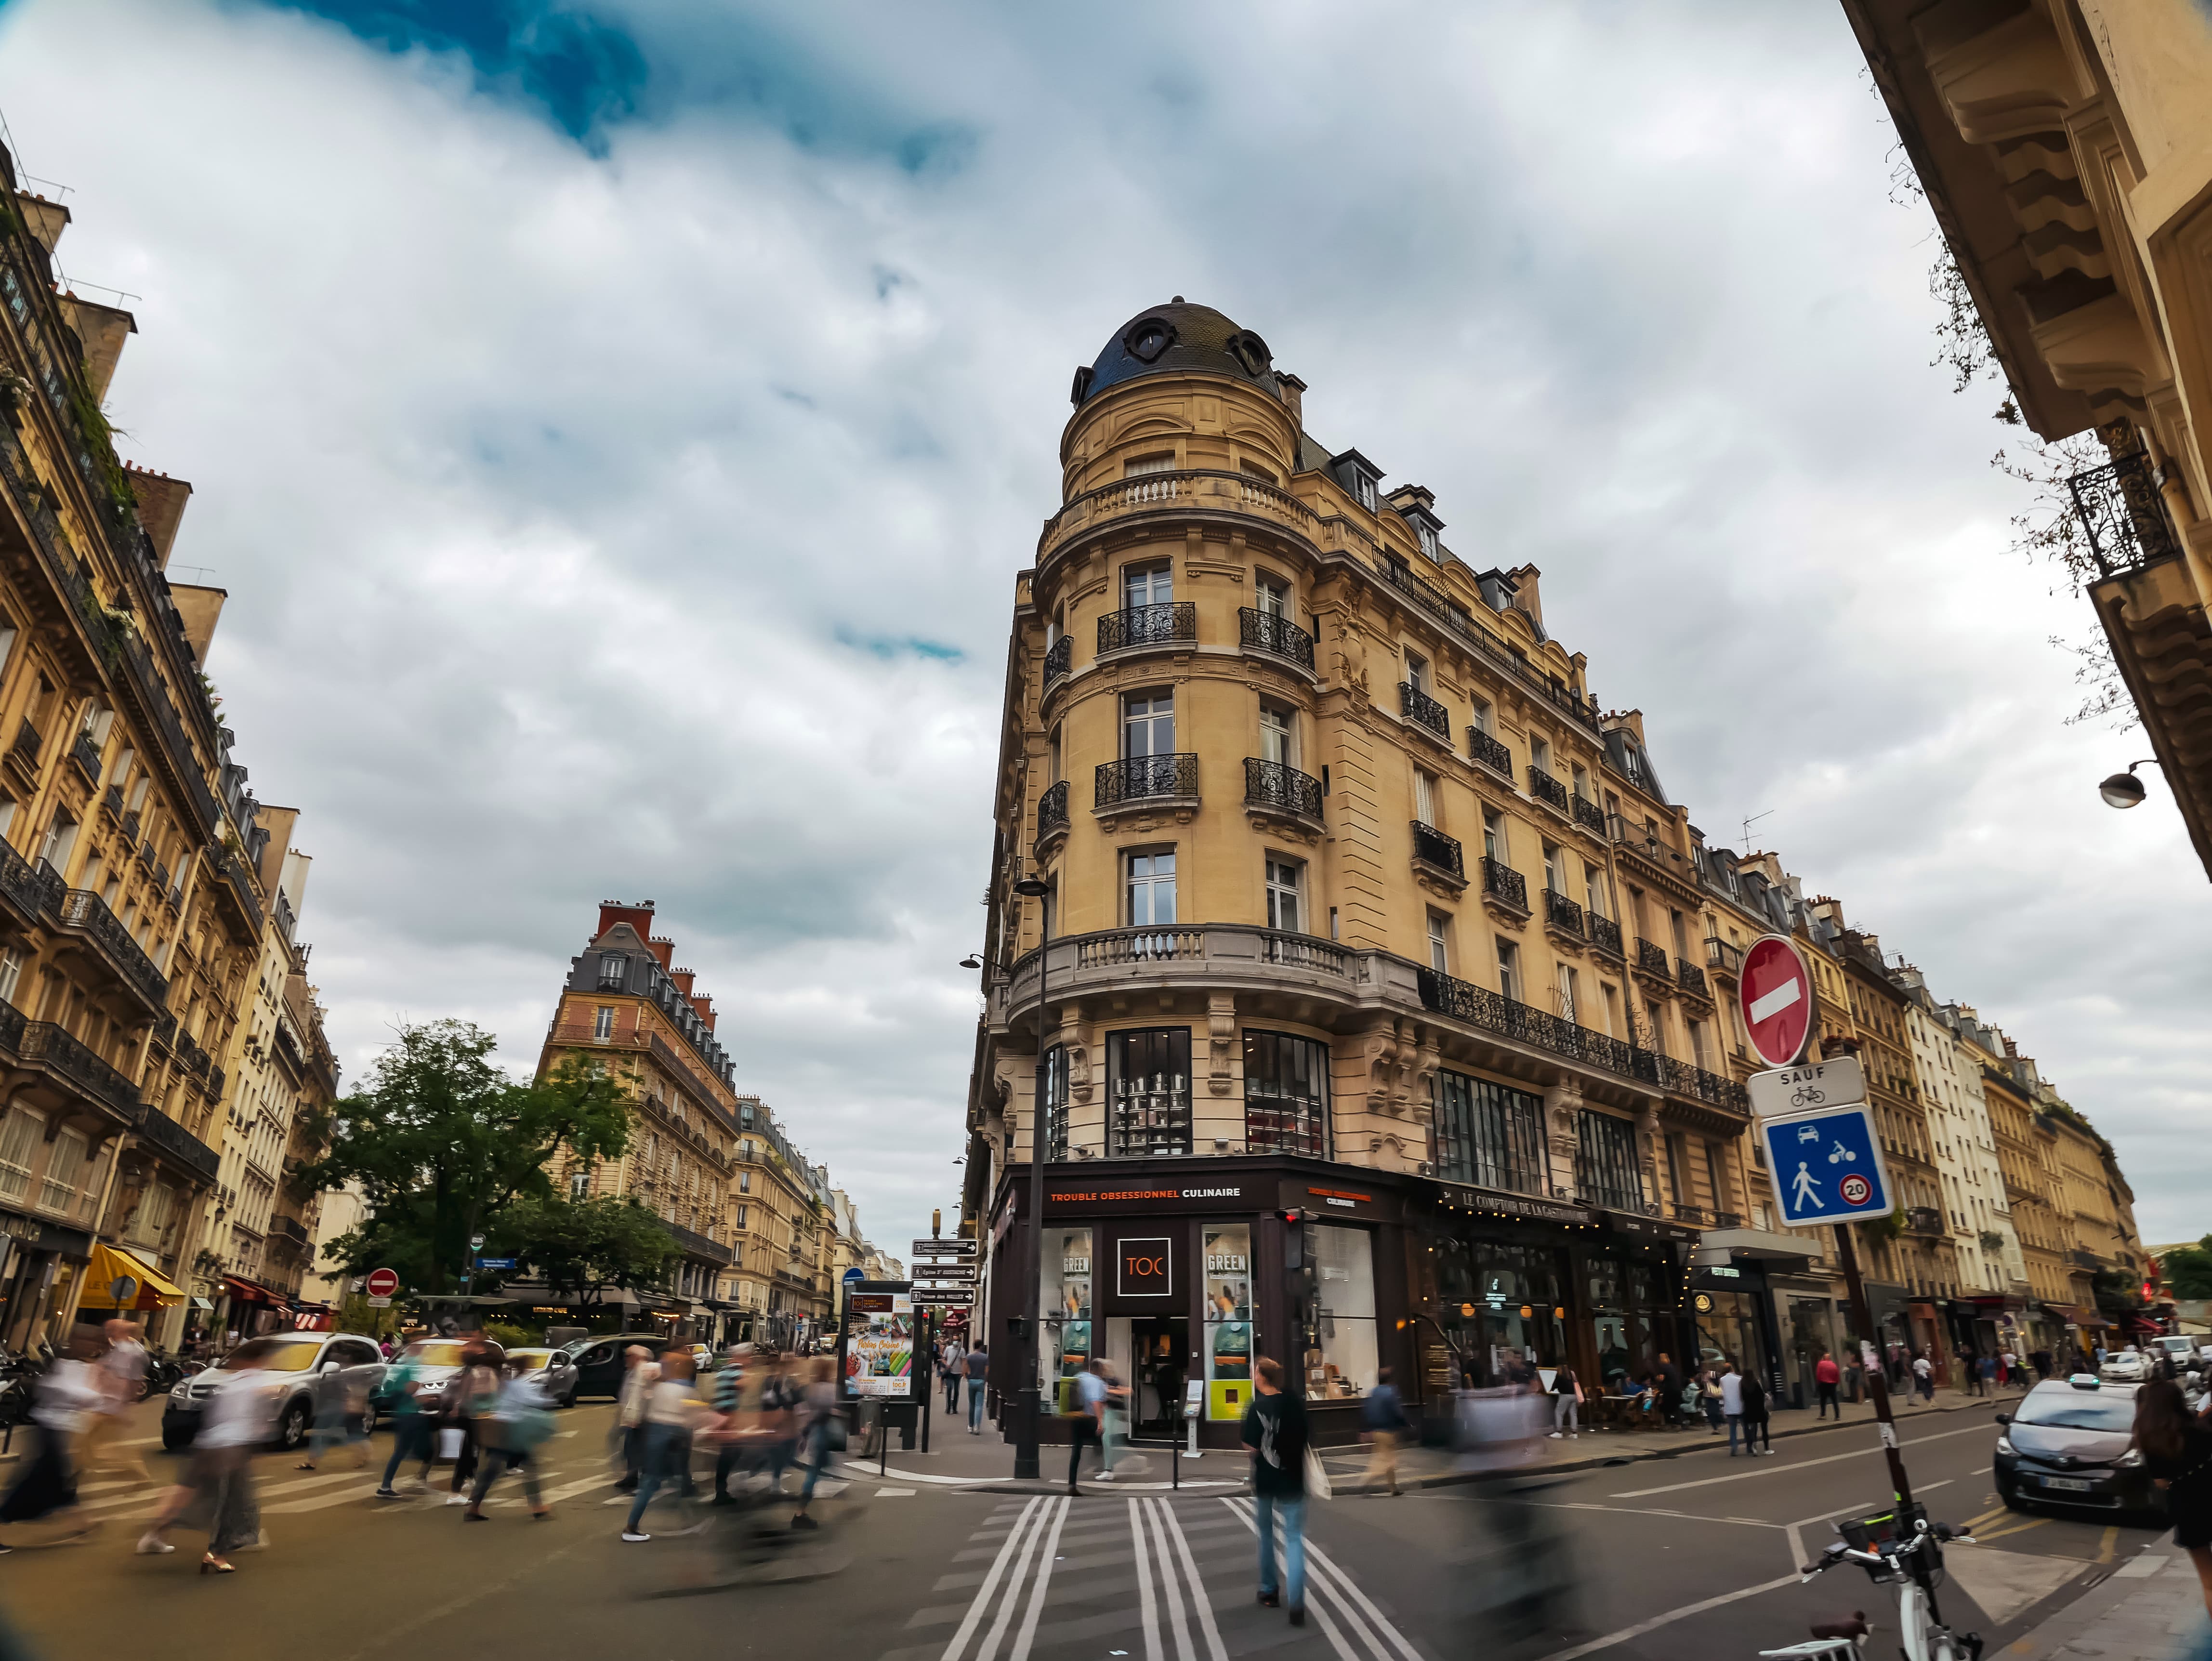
1146, 1268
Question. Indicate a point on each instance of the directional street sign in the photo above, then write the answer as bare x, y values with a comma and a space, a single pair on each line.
1826, 1167
1775, 996
937, 1248
1801, 1089
963, 1299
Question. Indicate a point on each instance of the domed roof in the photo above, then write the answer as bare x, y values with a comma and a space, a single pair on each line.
1175, 337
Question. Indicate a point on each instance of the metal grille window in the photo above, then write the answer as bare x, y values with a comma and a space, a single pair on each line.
1489, 1135
1052, 1079
1148, 1082
1606, 1168
1285, 909
1285, 1095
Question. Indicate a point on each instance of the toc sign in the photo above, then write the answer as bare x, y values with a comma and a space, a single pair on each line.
1826, 1167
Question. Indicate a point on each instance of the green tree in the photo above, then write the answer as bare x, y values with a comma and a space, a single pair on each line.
2189, 1270
442, 1142
581, 1248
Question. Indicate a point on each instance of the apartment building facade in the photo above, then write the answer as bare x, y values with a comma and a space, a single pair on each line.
784, 1233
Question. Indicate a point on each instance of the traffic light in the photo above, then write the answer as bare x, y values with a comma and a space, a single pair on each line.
1294, 1238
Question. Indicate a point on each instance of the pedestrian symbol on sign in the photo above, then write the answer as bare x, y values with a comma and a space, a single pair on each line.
1808, 1194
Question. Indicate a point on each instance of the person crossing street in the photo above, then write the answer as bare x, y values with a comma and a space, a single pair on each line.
1274, 1429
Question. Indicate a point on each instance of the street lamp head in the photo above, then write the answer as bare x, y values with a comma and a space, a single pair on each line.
2124, 789
971, 961
1032, 888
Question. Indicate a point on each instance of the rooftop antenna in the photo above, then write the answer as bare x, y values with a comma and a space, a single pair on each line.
1748, 822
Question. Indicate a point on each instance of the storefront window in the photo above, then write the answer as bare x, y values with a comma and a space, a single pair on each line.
1489, 1136
1285, 1095
1516, 1306
1728, 1330
1067, 1299
1148, 1080
1340, 1355
1227, 1320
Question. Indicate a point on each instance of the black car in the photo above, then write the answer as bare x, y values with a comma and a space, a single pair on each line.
2068, 1444
599, 1361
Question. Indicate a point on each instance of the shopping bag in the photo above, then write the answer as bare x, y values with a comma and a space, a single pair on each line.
1317, 1486
449, 1442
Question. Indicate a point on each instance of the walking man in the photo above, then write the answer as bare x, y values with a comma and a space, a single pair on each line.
1826, 1375
1383, 1422
410, 1426
1274, 1428
1083, 1424
639, 1374
952, 1359
975, 1369
1732, 1402
1924, 1374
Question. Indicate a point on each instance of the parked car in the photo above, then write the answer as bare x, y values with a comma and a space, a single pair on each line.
2125, 1367
2068, 1445
437, 1360
600, 1361
288, 1377
2180, 1351
554, 1370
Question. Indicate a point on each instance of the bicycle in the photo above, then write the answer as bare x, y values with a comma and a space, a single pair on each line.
1807, 1097
1899, 1548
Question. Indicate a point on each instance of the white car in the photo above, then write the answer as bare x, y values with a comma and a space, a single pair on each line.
2128, 1366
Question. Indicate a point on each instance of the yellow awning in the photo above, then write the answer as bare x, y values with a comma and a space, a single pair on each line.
110, 1264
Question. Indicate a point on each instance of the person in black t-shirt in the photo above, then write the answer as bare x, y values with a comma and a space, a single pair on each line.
2176, 1446
1274, 1428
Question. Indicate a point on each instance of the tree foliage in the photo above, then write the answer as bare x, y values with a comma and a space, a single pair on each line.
442, 1143
581, 1248
2189, 1270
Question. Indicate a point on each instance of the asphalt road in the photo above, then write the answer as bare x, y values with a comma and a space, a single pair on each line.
1690, 1556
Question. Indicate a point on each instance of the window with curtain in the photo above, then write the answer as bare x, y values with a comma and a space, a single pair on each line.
1285, 1095
1489, 1135
1606, 1170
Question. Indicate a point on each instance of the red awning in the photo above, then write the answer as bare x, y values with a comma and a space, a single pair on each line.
2137, 1325
245, 1291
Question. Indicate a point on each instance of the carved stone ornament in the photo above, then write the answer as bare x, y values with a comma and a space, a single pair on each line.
1351, 661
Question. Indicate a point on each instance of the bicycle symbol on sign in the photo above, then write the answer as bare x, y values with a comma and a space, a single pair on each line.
1808, 1095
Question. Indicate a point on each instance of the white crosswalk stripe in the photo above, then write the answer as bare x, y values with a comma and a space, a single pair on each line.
1024, 1565
1163, 1549
1338, 1606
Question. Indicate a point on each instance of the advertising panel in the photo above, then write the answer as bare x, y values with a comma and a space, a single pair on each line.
876, 1348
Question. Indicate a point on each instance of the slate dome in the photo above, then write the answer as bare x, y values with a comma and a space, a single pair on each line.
1175, 338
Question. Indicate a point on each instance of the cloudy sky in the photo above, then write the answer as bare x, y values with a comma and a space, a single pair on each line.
619, 425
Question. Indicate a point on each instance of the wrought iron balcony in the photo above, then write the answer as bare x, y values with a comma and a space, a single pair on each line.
1692, 1215
84, 914
1264, 631
27, 744
1432, 847
2122, 515
2081, 1259
1728, 1219
1562, 913
1495, 1013
290, 1229
31, 890
1690, 978
1604, 934
1589, 814
1652, 959
1058, 658
112, 800
166, 1137
1501, 881
1273, 784
130, 827
1546, 789
1418, 706
1924, 1220
46, 1044
1697, 1083
1724, 957
85, 754
1052, 811
1171, 623
215, 1076
1144, 778
1481, 747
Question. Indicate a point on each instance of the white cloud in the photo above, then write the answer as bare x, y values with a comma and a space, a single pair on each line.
582, 515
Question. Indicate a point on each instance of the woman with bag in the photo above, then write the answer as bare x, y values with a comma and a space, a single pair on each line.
517, 1424
2176, 1446
1754, 1417
217, 1492
1274, 1428
820, 1429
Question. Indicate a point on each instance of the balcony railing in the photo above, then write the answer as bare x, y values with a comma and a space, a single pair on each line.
290, 1229
1264, 631
2123, 514
1058, 658
1052, 811
1482, 747
695, 1244
2081, 1259
1562, 913
1432, 847
1692, 1214
45, 1043
84, 912
1448, 611
1501, 881
1495, 1013
85, 754
1652, 959
1418, 706
1273, 784
1144, 778
1690, 978
27, 744
167, 1136
1546, 788
1589, 814
1696, 1082
1924, 1220
112, 800
33, 889
1722, 957
1167, 625
1728, 1219
1604, 934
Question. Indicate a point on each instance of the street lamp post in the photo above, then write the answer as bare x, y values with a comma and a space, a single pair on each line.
1032, 1405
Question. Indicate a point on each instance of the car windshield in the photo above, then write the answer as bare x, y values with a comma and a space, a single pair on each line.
285, 1358
2073, 1410
531, 1360
435, 1354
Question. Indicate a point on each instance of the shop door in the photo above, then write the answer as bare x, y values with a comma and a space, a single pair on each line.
1160, 1349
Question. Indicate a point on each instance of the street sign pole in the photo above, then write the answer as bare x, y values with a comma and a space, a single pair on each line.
1877, 1379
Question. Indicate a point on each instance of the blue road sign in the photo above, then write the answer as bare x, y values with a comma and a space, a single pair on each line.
855, 1273
495, 1262
1826, 1167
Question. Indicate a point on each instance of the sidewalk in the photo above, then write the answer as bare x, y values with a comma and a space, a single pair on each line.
957, 1457
2150, 1609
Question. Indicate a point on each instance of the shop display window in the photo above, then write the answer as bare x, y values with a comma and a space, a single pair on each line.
1148, 1082
1229, 1331
1285, 1095
1067, 1278
1340, 1352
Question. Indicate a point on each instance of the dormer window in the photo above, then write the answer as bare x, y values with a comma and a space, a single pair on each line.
1364, 487
1430, 547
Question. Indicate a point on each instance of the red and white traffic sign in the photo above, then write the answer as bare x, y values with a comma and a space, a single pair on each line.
383, 1282
1774, 997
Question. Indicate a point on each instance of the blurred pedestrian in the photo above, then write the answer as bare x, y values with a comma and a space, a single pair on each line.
639, 1374
1732, 1400
1274, 1428
120, 1373
2040, 1359
1924, 1373
216, 1497
1826, 1375
672, 1408
1113, 1420
1716, 1405
471, 1397
733, 1384
818, 1417
1085, 1410
514, 1430
975, 1370
333, 1397
1755, 1417
2176, 1448
952, 1359
68, 1397
1383, 1426
412, 1427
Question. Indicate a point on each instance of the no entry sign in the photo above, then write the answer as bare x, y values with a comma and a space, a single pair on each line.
1774, 996
383, 1282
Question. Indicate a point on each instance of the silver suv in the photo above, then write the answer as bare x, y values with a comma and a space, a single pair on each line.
288, 1376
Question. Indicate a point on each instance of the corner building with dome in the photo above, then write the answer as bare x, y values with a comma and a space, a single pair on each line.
1369, 992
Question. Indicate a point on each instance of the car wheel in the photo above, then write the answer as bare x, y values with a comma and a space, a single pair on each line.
2012, 1499
292, 1429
